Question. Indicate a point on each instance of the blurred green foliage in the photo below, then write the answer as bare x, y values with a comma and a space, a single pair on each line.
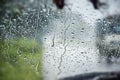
20, 59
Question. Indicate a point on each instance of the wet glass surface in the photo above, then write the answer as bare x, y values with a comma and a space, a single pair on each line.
73, 40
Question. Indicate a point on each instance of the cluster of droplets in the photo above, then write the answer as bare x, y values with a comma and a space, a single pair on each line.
24, 21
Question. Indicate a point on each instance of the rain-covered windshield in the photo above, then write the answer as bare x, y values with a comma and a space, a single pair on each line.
55, 39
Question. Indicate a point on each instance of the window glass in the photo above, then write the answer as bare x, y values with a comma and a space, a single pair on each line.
42, 40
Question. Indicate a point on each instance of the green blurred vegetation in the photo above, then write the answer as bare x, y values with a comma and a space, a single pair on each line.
20, 59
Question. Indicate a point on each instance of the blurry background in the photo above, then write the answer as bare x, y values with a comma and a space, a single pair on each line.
67, 37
